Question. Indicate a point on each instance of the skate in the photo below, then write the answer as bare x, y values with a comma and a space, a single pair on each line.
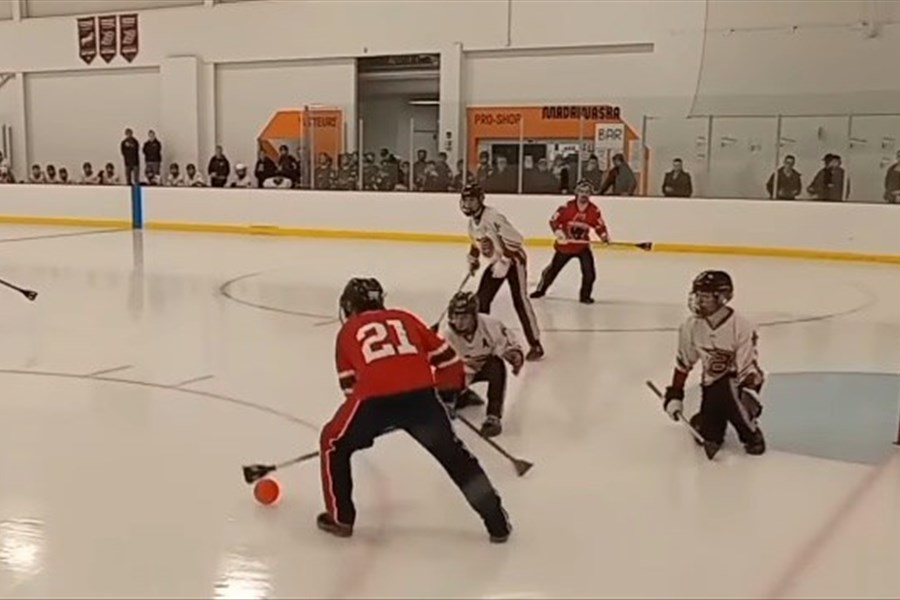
535, 353
537, 294
757, 445
329, 525
499, 535
586, 300
491, 427
469, 398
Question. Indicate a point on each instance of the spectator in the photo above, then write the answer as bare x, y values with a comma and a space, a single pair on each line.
370, 172
484, 170
433, 182
64, 176
346, 178
218, 169
503, 180
444, 172
242, 178
620, 179
265, 168
130, 148
151, 177
390, 165
458, 183
561, 172
828, 184
88, 177
325, 176
540, 180
419, 169
37, 175
892, 182
175, 178
153, 155
288, 166
278, 181
677, 182
51, 175
593, 173
108, 176
785, 183
6, 175
192, 177
404, 179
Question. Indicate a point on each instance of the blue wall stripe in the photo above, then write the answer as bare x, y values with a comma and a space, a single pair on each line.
137, 207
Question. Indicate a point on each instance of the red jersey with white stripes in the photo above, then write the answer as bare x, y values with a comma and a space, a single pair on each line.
391, 351
576, 222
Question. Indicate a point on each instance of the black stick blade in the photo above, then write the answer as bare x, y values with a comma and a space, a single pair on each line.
30, 294
254, 473
645, 246
711, 449
522, 467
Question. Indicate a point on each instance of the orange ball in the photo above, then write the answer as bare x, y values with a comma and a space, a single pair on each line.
267, 491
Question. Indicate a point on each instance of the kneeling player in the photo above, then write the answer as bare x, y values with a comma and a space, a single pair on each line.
384, 361
484, 344
725, 343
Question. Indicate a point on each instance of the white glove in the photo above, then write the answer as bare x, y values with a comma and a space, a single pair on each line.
560, 235
474, 264
674, 408
500, 268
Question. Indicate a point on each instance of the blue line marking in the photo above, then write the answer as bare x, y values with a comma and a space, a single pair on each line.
137, 207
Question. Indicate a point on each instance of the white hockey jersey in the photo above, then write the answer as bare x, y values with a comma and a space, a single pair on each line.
495, 237
491, 338
728, 350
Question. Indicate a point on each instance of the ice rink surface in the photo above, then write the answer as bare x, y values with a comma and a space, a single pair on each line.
153, 366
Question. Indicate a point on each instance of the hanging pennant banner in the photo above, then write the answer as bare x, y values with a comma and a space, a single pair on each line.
87, 39
108, 42
128, 36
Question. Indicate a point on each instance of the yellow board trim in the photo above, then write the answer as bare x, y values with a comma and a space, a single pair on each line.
65, 221
404, 236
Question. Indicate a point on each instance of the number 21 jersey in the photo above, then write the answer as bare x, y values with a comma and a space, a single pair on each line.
390, 351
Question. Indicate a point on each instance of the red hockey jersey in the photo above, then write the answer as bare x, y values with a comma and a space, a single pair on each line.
576, 223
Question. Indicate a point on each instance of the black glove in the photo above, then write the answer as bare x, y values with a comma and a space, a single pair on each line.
674, 402
449, 398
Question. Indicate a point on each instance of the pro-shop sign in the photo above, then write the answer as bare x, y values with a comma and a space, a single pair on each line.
108, 36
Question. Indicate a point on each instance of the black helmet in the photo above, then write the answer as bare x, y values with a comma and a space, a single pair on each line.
717, 283
361, 294
462, 303
471, 200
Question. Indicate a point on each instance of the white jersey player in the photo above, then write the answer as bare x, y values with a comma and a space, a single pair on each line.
484, 343
724, 343
496, 240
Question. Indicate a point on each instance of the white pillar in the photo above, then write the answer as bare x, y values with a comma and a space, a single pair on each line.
18, 9
452, 103
180, 110
209, 135
21, 159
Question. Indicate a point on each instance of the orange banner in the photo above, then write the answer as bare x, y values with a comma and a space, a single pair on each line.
318, 129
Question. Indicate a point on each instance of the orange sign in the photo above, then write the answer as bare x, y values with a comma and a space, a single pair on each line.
569, 122
318, 129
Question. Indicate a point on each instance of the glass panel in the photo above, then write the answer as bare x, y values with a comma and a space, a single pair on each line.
55, 8
874, 147
810, 139
671, 138
742, 156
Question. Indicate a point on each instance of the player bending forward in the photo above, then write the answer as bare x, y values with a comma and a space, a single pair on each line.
484, 344
384, 361
495, 239
725, 342
572, 224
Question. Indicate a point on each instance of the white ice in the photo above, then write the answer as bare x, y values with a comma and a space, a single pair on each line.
132, 391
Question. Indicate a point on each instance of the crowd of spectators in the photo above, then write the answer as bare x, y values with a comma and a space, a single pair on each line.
387, 172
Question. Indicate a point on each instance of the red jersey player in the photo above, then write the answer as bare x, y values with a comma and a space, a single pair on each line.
572, 224
395, 373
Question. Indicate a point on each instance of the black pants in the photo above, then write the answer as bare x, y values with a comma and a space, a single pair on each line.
494, 373
560, 260
132, 174
720, 406
517, 279
420, 414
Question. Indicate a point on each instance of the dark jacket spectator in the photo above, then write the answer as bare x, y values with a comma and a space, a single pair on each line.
892, 182
419, 169
503, 179
6, 175
540, 180
828, 184
620, 179
265, 168
593, 173
677, 182
444, 172
370, 171
288, 166
403, 183
484, 170
347, 178
152, 153
788, 181
218, 169
64, 176
325, 176
458, 183
131, 149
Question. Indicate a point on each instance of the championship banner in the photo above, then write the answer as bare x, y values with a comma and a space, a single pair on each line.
87, 39
128, 36
108, 42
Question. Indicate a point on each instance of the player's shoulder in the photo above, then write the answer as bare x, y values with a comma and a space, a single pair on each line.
742, 323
